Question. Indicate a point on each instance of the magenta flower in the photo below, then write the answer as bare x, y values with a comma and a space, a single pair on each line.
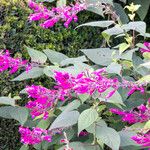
44, 100
142, 139
67, 86
34, 136
11, 64
146, 44
66, 14
141, 114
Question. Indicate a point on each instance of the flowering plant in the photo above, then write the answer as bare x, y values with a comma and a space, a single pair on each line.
81, 110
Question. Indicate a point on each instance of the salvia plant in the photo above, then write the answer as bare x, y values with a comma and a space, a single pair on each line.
99, 100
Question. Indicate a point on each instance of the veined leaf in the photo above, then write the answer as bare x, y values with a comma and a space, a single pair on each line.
100, 56
108, 136
102, 24
86, 118
65, 119
31, 74
7, 101
55, 57
36, 56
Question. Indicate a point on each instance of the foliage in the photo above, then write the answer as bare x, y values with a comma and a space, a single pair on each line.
76, 111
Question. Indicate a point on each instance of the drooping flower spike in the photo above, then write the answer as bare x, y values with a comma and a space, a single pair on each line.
11, 64
140, 114
67, 14
68, 85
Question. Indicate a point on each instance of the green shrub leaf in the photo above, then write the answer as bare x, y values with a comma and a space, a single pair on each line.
108, 136
7, 101
55, 57
86, 118
36, 56
65, 119
100, 56
31, 74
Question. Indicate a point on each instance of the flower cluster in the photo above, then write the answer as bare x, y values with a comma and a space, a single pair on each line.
140, 114
67, 85
44, 100
34, 136
9, 63
147, 49
142, 139
86, 83
67, 14
37, 135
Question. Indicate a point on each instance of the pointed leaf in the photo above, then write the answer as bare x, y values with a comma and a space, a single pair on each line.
86, 118
7, 101
69, 61
100, 56
36, 56
102, 24
20, 114
108, 136
31, 74
55, 57
65, 119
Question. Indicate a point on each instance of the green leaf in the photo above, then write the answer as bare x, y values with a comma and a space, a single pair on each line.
115, 98
113, 31
143, 10
97, 10
31, 74
138, 125
100, 56
37, 56
49, 70
121, 13
145, 79
81, 146
7, 101
86, 118
65, 119
5, 111
61, 3
146, 55
101, 108
114, 68
106, 37
127, 55
108, 136
137, 61
123, 47
44, 124
55, 57
99, 123
69, 61
147, 125
102, 24
126, 138
24, 147
71, 106
146, 64
138, 26
83, 97
20, 114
